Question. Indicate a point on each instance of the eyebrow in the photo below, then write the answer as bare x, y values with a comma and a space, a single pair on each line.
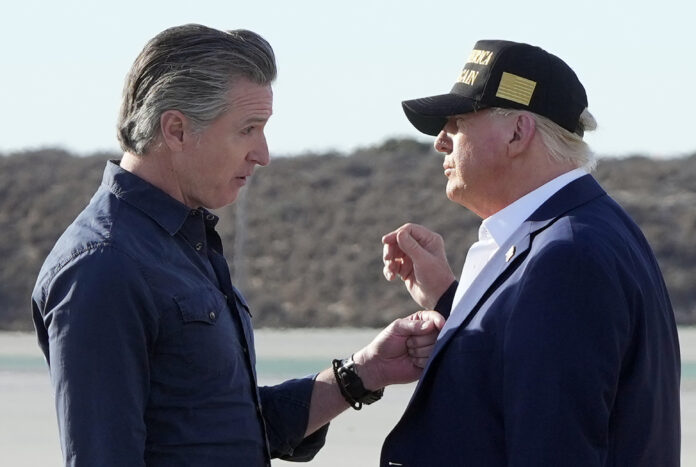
255, 120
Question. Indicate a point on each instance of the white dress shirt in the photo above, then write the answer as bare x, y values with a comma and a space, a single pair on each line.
497, 229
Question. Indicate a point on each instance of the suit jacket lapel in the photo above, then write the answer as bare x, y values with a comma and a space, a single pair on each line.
495, 267
516, 245
577, 192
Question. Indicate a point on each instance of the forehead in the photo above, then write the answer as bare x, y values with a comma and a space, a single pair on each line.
467, 119
473, 116
247, 97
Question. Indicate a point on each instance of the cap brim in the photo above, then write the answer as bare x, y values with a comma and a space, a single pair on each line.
429, 114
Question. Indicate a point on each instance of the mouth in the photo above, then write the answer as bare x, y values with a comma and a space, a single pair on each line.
448, 167
243, 179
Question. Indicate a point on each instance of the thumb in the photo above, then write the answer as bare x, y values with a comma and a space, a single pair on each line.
433, 316
409, 245
414, 327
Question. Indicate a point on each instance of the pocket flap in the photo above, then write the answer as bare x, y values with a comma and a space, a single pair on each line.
204, 305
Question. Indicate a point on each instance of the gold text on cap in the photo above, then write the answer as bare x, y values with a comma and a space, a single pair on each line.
480, 57
467, 77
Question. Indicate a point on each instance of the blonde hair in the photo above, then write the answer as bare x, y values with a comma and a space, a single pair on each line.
563, 145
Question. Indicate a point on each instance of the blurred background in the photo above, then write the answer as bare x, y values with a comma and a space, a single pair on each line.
303, 240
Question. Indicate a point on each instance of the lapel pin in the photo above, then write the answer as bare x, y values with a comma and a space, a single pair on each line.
510, 253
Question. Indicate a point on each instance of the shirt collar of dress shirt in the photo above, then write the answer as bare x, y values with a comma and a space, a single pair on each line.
169, 213
501, 225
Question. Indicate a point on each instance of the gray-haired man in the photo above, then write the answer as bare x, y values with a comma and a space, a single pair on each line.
149, 344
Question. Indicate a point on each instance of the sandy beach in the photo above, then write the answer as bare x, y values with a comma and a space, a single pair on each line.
28, 432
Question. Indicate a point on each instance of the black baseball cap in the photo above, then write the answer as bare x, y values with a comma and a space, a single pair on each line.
509, 75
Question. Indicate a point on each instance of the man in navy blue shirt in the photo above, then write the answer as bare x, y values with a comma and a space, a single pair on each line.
150, 346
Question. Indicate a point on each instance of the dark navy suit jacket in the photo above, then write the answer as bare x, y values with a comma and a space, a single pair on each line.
576, 361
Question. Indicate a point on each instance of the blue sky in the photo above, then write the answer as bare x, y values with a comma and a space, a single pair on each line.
344, 67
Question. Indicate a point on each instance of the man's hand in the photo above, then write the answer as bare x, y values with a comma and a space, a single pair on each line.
417, 255
397, 355
400, 352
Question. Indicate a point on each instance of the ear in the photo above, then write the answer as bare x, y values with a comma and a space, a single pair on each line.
523, 131
174, 128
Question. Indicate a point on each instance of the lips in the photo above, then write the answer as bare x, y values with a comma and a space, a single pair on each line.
242, 179
447, 167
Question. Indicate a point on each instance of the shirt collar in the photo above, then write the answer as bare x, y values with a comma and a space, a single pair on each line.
169, 213
501, 225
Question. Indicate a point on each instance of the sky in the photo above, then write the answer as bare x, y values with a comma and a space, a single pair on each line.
345, 67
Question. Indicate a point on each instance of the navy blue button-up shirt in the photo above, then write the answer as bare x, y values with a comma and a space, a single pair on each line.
150, 347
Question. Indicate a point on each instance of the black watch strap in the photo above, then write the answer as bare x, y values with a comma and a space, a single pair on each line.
351, 386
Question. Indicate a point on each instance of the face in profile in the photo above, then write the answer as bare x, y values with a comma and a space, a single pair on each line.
220, 159
474, 148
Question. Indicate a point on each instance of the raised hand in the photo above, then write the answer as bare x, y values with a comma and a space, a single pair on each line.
417, 255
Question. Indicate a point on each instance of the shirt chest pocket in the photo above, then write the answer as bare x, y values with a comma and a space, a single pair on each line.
209, 335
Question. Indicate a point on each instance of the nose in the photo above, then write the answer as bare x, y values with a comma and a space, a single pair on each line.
260, 154
443, 143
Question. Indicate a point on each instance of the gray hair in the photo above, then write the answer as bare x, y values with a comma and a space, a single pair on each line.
563, 145
188, 68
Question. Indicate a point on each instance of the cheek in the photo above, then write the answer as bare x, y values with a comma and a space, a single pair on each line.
477, 152
463, 156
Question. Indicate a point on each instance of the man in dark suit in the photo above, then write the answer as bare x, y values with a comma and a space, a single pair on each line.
560, 346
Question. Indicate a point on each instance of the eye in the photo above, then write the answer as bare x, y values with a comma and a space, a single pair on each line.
248, 130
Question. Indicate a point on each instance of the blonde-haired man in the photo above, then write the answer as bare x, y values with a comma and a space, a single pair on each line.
560, 346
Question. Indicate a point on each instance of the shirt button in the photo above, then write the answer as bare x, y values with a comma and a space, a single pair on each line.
212, 315
210, 217
194, 212
245, 350
199, 246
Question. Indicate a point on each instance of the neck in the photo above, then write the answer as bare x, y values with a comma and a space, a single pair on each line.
156, 168
525, 175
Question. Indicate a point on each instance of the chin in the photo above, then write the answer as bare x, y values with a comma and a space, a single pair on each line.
230, 198
455, 194
220, 203
451, 193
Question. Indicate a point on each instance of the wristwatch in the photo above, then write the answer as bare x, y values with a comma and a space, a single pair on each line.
351, 386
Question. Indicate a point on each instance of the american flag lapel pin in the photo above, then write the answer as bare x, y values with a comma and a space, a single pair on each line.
510, 253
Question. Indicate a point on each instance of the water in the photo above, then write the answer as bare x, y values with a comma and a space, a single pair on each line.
29, 437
